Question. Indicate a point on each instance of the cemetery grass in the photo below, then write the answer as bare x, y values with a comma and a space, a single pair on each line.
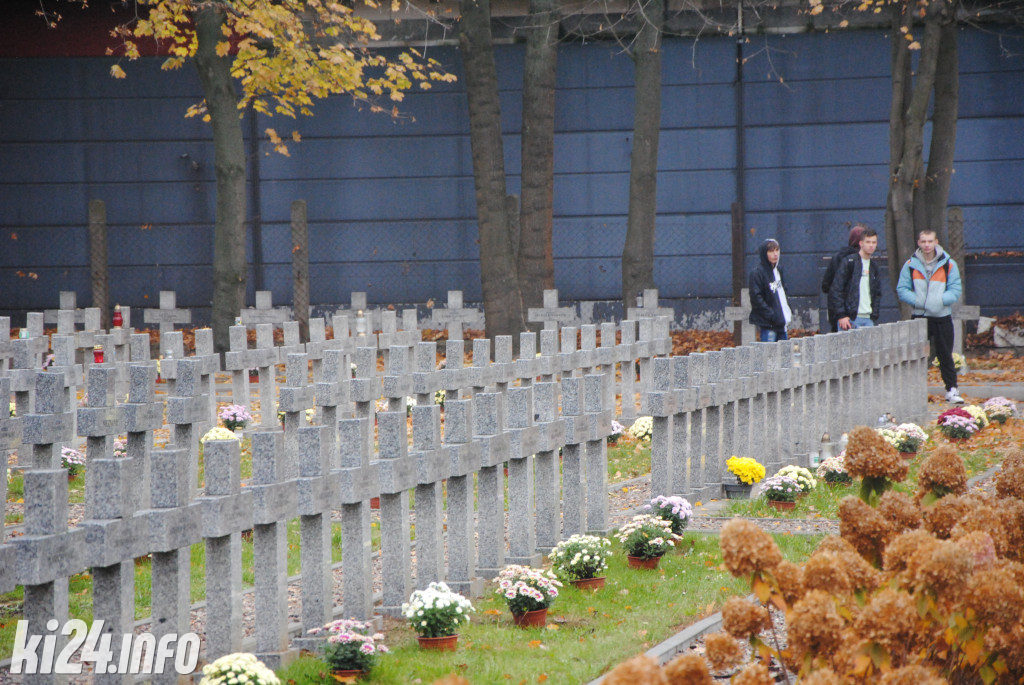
587, 633
980, 454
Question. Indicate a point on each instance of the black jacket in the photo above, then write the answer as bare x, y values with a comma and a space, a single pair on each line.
833, 264
765, 305
844, 295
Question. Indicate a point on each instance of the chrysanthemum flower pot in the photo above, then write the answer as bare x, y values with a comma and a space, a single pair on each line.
531, 619
781, 506
588, 583
443, 643
641, 563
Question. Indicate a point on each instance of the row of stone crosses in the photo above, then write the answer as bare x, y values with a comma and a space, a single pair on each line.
545, 416
149, 503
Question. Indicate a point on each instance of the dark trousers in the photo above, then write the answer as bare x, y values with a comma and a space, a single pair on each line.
940, 335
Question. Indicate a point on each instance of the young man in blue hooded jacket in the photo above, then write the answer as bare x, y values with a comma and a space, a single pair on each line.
769, 307
930, 283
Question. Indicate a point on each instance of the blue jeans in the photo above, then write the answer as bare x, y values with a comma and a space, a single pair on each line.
862, 322
771, 334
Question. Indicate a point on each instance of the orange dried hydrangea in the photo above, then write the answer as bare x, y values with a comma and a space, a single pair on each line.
823, 676
942, 473
1009, 481
943, 569
741, 619
723, 651
747, 549
754, 674
688, 669
911, 675
901, 554
868, 455
864, 528
901, 511
790, 578
814, 625
827, 571
996, 598
890, 619
940, 518
863, 576
986, 518
639, 669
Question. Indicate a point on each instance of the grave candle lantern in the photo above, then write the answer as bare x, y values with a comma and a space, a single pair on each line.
97, 354
360, 323
118, 319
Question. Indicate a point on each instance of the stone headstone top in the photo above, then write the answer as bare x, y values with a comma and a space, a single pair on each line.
264, 311
551, 315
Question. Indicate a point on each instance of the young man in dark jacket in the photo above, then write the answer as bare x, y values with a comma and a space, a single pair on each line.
852, 247
769, 307
856, 292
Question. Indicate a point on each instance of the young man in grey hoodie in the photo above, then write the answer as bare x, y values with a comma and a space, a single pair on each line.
930, 283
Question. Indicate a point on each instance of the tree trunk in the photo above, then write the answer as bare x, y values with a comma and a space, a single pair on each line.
229, 265
536, 268
503, 304
638, 250
944, 119
907, 210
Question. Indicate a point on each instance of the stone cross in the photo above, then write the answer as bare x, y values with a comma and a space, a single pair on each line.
186, 409
551, 315
316, 500
210, 366
265, 312
116, 536
317, 344
68, 303
494, 452
264, 358
748, 332
358, 481
168, 314
397, 477
47, 552
358, 303
574, 484
648, 307
455, 316
227, 511
6, 349
431, 470
10, 439
551, 437
464, 460
523, 439
962, 313
175, 524
274, 501
238, 361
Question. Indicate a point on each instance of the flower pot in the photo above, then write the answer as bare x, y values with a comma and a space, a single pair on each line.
641, 563
782, 506
375, 502
347, 675
444, 643
588, 583
531, 619
956, 441
908, 455
254, 377
737, 490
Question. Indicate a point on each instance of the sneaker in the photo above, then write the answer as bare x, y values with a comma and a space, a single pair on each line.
953, 396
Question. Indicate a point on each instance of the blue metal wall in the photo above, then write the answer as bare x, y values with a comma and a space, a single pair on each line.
391, 203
